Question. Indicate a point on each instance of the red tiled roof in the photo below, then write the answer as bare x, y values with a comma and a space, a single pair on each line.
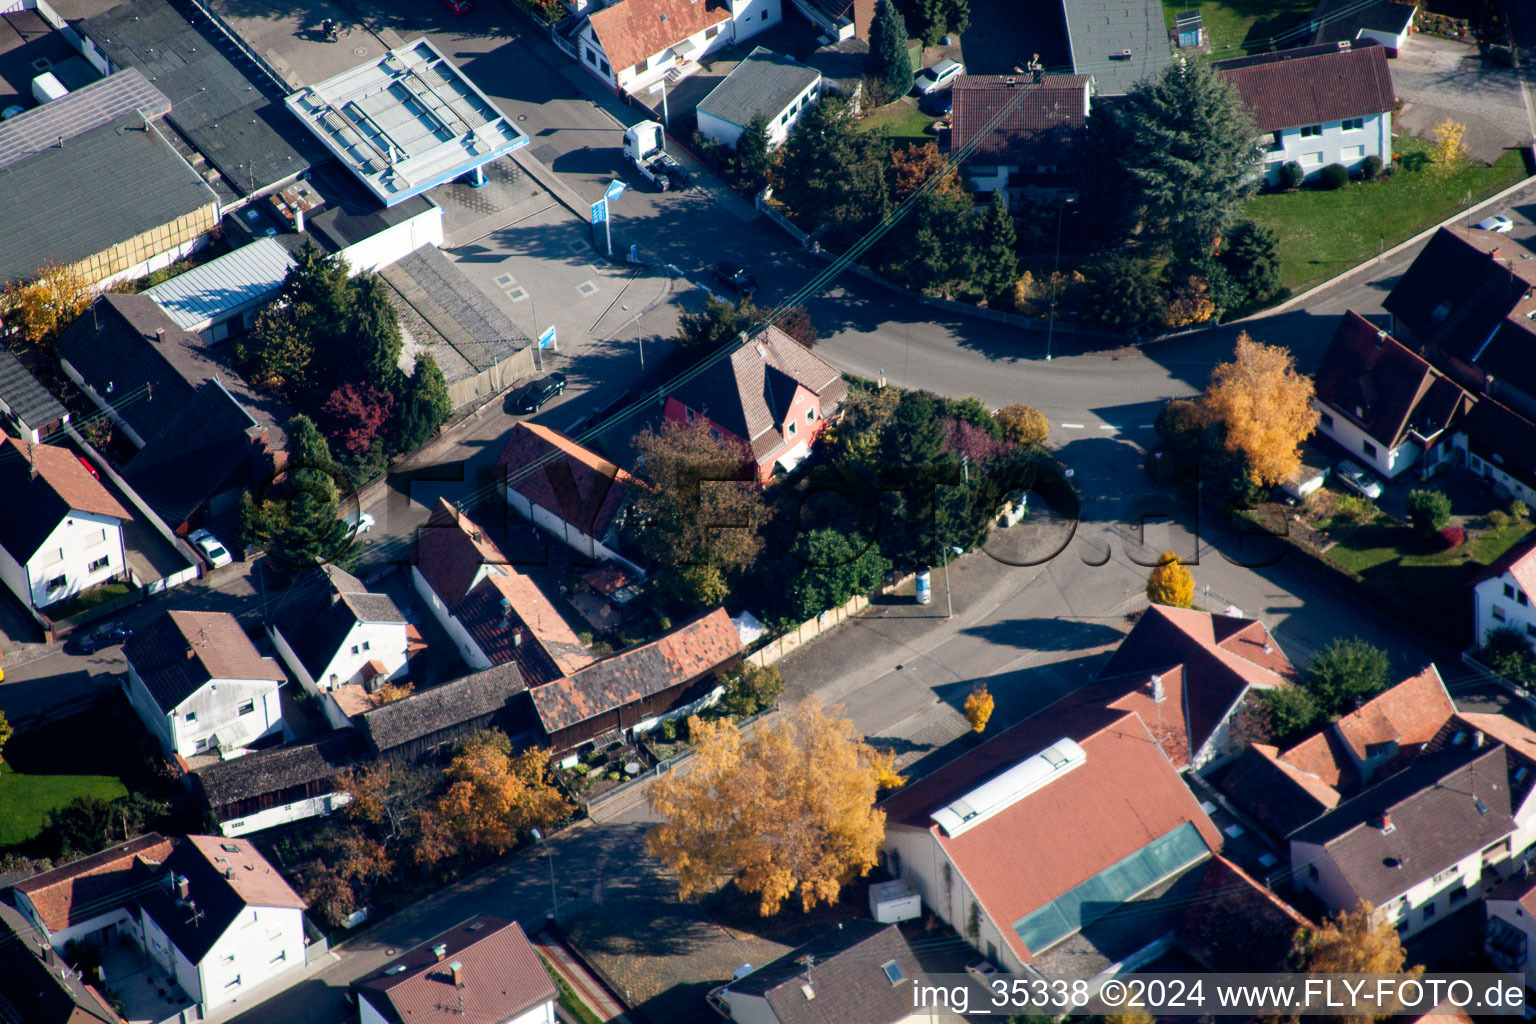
1323, 756
81, 889
1519, 561
1236, 924
1122, 797
1408, 714
450, 551
247, 872
559, 475
500, 977
1304, 86
60, 468
180, 651
1044, 127
530, 632
1282, 797
634, 30
687, 653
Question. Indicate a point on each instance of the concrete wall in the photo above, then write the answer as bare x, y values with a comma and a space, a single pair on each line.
264, 942
1386, 462
1333, 146
397, 242
920, 860
1494, 472
468, 649
216, 706
155, 720
375, 641
492, 380
588, 546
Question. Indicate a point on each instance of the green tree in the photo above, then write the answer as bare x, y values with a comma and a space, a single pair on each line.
89, 823
888, 58
1345, 673
1250, 255
831, 569
752, 156
1429, 510
925, 19
933, 248
1507, 651
997, 262
751, 687
309, 532
1292, 711
375, 333
719, 322
957, 16
1191, 151
1023, 424
831, 171
1126, 295
6, 732
427, 406
279, 349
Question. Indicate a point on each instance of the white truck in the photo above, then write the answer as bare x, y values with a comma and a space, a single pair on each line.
643, 147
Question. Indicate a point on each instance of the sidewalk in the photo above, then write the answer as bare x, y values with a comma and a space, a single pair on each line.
588, 989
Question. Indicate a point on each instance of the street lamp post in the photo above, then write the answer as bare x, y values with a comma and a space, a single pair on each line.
1050, 330
553, 893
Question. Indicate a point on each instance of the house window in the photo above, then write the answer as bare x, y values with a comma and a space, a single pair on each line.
1312, 872
1429, 911
99, 564
1449, 872
602, 66
1509, 591
1311, 131
765, 15
810, 415
99, 537
1441, 311
1351, 152
1368, 448
1275, 143
1458, 894
1327, 419
365, 645
643, 66
191, 716
1521, 599
247, 706
783, 119
201, 746
354, 648
1498, 613
1352, 124
712, 31
282, 955
689, 414
1312, 159
591, 56
713, 433
1530, 628
232, 982
791, 428
57, 583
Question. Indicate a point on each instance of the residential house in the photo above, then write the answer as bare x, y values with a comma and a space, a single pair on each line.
494, 613
1188, 674
1351, 21
569, 491
1236, 925
430, 719
634, 690
841, 21
1117, 43
62, 532
483, 970
1383, 402
289, 783
27, 409
1499, 445
91, 899
204, 436
1284, 790
1317, 105
219, 300
861, 971
1419, 843
37, 986
1052, 824
1504, 593
631, 45
332, 634
773, 395
1036, 148
1511, 927
779, 89
199, 684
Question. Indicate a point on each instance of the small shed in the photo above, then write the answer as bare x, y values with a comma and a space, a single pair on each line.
25, 404
890, 902
1187, 29
221, 298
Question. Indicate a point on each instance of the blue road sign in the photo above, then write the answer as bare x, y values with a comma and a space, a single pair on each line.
599, 211
547, 339
615, 189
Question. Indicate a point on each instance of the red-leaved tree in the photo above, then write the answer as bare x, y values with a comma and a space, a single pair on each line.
357, 414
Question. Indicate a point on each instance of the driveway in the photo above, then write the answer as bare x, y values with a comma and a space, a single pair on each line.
1437, 78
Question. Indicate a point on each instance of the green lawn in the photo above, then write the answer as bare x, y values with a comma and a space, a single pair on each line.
1391, 556
26, 799
1236, 27
1323, 234
904, 122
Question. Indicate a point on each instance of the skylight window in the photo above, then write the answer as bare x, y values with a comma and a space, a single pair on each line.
893, 972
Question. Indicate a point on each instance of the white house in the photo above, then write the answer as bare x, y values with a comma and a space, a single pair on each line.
633, 44
1025, 136
1511, 926
199, 684
333, 633
569, 491
1317, 105
482, 970
61, 531
1385, 403
1504, 594
1422, 842
1381, 21
1083, 795
89, 899
778, 88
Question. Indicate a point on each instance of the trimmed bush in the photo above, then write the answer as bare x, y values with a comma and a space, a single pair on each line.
1453, 536
1334, 176
1429, 509
1292, 175
1371, 168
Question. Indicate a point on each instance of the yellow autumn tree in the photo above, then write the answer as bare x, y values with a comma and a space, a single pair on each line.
1023, 424
978, 707
1264, 407
44, 306
1190, 302
1170, 582
1447, 153
792, 809
492, 798
1354, 942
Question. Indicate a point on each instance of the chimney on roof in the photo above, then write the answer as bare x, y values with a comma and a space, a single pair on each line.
1381, 338
1385, 822
183, 887
159, 334
229, 872
1010, 81
1493, 253
475, 533
458, 974
1158, 694
440, 950
1477, 739
517, 636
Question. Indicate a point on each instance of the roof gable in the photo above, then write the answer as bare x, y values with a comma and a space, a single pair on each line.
844, 971
1044, 127
500, 977
37, 986
562, 477
1459, 286
224, 876
181, 651
1520, 562
765, 83
1235, 924
510, 619
442, 707
42, 484
633, 30
1312, 85
83, 888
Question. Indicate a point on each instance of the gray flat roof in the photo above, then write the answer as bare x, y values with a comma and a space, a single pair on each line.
223, 287
126, 92
765, 83
406, 122
1100, 32
100, 188
27, 399
438, 290
231, 113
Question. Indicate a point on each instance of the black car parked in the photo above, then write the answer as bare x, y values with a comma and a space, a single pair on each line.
735, 276
530, 396
105, 636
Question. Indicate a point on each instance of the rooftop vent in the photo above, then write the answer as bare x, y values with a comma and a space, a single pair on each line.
440, 950
474, 926
1482, 808
1477, 739
1009, 788
809, 992
397, 969
1158, 694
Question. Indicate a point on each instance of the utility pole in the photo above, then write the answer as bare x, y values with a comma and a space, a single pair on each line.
1050, 330
553, 893
949, 602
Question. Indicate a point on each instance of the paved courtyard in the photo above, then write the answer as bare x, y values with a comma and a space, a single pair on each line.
1437, 78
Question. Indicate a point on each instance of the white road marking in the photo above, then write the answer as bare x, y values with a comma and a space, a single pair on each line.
1106, 426
1073, 426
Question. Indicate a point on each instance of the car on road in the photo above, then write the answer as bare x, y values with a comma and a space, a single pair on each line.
931, 80
360, 522
1355, 477
1498, 222
531, 396
102, 637
982, 969
735, 277
212, 550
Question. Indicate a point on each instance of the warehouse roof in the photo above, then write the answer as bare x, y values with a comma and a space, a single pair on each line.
104, 186
406, 121
220, 288
765, 83
92, 106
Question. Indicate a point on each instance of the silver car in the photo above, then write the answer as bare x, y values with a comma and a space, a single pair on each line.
937, 77
1497, 223
1355, 477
